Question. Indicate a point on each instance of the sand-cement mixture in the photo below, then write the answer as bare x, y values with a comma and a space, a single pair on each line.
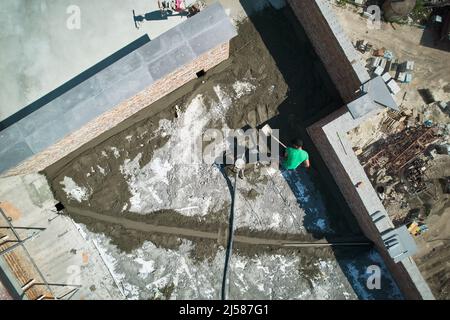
159, 219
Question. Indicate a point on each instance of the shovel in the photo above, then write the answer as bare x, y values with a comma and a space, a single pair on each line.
267, 130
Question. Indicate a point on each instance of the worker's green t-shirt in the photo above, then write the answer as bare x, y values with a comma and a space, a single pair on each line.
294, 158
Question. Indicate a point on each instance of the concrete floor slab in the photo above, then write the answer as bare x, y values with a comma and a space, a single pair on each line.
51, 54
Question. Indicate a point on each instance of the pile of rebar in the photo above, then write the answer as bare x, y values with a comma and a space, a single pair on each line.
414, 176
396, 151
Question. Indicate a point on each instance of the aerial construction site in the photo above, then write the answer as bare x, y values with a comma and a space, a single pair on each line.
155, 162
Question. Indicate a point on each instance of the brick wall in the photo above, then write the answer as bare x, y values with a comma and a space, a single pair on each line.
121, 112
327, 48
356, 205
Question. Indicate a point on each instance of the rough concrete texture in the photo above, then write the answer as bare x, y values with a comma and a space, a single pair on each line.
111, 118
157, 175
152, 272
4, 294
143, 174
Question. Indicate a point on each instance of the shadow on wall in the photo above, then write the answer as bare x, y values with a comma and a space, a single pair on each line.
436, 34
311, 96
74, 82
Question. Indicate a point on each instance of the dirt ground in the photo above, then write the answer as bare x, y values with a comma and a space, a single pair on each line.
433, 259
432, 67
431, 71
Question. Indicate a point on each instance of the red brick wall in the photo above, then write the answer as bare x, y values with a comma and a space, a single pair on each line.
327, 48
121, 112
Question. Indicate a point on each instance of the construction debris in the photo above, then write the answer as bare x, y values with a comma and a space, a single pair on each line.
415, 177
382, 62
416, 228
417, 192
394, 152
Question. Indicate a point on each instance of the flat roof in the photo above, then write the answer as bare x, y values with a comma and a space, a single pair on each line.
39, 53
375, 95
379, 92
118, 82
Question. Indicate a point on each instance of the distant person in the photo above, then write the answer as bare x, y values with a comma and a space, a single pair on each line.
193, 10
295, 156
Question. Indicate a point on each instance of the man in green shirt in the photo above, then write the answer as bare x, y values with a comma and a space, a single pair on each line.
295, 156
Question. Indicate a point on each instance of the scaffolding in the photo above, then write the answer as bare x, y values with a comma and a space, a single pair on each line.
8, 248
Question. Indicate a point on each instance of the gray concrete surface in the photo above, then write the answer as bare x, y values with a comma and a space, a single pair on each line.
118, 82
376, 96
4, 293
361, 106
39, 53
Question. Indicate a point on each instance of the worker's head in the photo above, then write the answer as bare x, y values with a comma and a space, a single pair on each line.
297, 143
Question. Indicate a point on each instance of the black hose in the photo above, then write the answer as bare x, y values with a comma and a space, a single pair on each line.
229, 249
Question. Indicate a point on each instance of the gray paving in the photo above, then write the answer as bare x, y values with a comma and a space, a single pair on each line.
379, 92
375, 95
118, 82
361, 106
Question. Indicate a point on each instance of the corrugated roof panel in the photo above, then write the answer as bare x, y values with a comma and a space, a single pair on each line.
361, 106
